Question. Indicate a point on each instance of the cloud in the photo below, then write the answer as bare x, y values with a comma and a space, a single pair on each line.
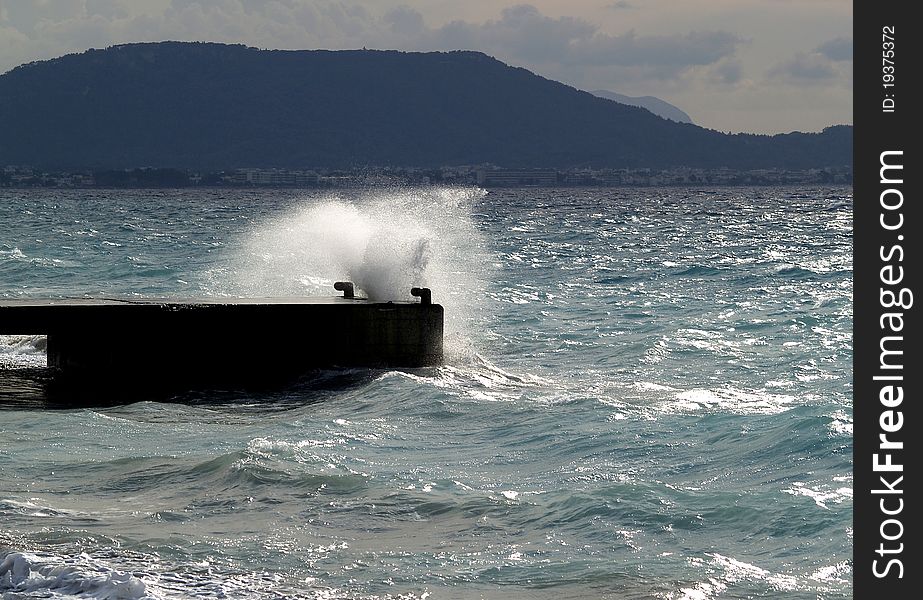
672, 51
110, 9
525, 36
804, 68
620, 5
522, 34
828, 64
838, 49
727, 72
26, 16
405, 21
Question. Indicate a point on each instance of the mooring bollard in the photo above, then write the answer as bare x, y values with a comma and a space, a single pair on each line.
348, 289
424, 294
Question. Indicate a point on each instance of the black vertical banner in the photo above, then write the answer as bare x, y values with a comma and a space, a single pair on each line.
887, 429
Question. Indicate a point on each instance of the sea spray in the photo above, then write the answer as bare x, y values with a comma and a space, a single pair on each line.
386, 241
22, 351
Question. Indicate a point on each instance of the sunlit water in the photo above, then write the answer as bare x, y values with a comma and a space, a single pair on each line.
648, 395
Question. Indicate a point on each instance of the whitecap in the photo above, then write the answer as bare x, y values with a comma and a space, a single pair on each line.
24, 573
821, 497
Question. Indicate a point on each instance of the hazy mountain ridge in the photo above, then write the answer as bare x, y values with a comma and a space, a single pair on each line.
659, 107
205, 105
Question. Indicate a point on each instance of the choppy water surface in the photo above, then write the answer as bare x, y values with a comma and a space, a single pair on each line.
648, 395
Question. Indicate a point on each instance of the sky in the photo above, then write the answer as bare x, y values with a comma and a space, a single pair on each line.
760, 66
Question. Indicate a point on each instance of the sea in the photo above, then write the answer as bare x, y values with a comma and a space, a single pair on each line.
647, 393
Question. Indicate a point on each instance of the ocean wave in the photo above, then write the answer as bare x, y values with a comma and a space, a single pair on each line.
23, 344
25, 573
23, 351
287, 467
702, 271
725, 576
589, 435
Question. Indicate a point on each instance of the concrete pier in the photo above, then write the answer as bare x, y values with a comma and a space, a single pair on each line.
226, 341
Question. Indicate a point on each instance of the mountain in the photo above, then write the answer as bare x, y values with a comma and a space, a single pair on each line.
659, 107
216, 106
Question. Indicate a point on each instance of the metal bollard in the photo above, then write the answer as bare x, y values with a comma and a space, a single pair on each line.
425, 295
347, 287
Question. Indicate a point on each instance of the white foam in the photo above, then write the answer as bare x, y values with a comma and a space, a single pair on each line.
13, 254
23, 350
23, 344
737, 570
729, 399
841, 424
821, 497
26, 573
834, 573
702, 590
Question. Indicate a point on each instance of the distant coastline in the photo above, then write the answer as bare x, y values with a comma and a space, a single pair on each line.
23, 177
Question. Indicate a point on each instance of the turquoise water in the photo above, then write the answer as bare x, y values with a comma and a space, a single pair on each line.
647, 395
